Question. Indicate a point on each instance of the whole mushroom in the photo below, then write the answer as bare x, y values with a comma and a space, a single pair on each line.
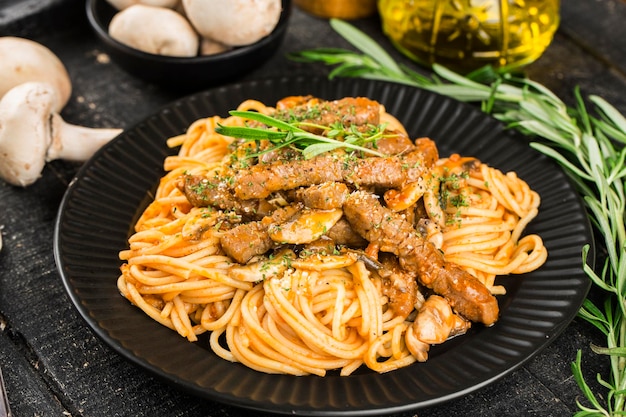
123, 4
32, 133
23, 60
233, 22
155, 30
211, 47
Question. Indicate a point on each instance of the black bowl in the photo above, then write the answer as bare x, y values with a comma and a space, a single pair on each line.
185, 73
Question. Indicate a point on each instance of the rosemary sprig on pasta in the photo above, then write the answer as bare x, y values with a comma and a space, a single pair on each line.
286, 134
590, 150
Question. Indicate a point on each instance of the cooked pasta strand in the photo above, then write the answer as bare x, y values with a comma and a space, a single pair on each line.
324, 310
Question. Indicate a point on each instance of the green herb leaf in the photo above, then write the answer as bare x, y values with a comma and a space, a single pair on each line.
284, 134
251, 133
266, 120
365, 44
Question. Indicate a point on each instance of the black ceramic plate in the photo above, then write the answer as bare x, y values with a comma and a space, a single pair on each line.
110, 191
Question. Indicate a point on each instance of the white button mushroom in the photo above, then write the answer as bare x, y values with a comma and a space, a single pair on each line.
211, 47
23, 60
233, 22
155, 30
31, 134
123, 4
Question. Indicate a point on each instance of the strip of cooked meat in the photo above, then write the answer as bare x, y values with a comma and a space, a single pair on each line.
214, 192
325, 196
343, 234
392, 233
245, 241
394, 171
394, 144
398, 285
202, 191
261, 180
349, 111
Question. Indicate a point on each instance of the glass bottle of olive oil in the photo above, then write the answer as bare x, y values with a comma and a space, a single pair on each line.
464, 35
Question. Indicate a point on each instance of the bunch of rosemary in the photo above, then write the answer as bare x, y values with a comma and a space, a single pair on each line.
590, 148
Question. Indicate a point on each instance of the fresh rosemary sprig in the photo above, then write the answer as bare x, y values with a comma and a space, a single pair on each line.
281, 134
589, 148
376, 64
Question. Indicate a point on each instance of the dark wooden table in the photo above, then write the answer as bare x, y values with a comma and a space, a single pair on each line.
54, 365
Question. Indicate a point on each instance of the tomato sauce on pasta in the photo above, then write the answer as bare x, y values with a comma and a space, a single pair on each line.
309, 302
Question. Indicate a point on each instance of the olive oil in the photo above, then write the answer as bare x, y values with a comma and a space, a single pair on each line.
464, 35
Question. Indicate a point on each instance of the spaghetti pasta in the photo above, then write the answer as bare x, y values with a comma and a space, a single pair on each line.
485, 215
311, 308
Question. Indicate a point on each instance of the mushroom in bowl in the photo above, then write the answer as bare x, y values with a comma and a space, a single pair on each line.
225, 63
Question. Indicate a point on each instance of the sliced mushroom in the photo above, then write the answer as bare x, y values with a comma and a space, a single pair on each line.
23, 60
305, 227
155, 30
31, 134
434, 324
233, 22
398, 200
